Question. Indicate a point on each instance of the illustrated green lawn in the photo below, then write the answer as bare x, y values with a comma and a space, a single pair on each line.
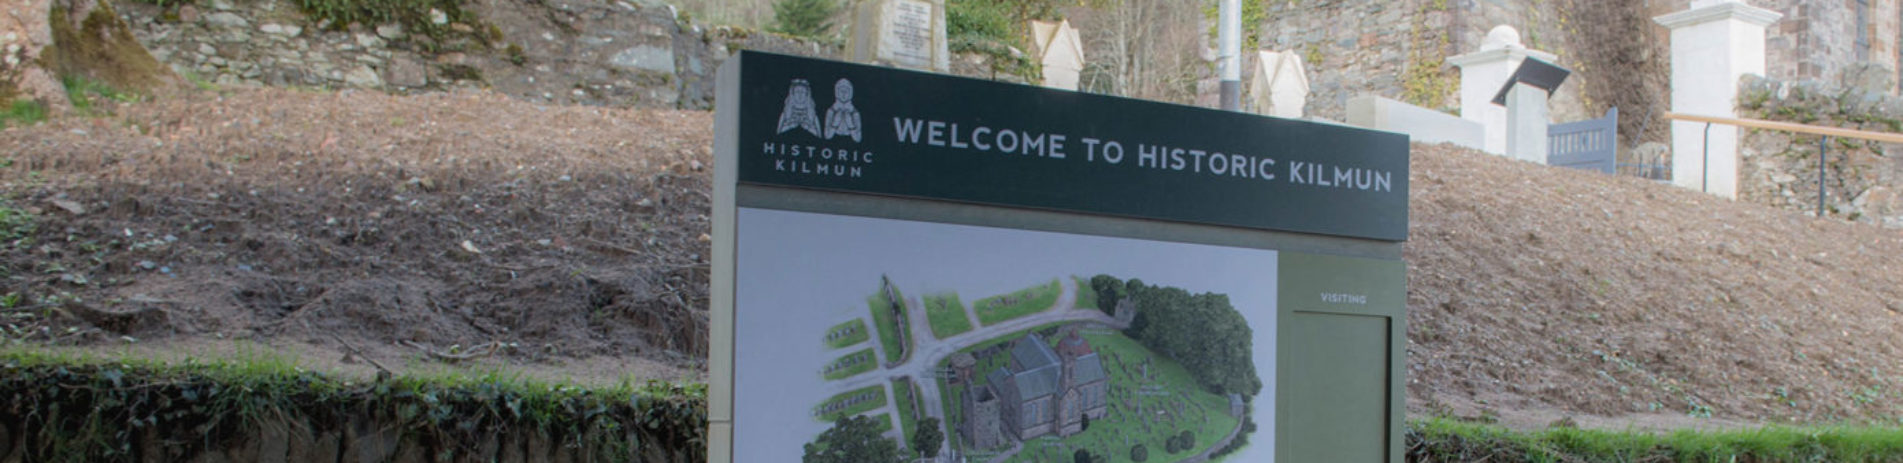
847, 334
893, 330
1086, 297
946, 314
882, 422
869, 398
903, 392
995, 309
848, 365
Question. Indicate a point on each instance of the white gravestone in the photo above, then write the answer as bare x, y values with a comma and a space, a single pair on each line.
1481, 75
1060, 51
902, 33
1713, 44
1280, 85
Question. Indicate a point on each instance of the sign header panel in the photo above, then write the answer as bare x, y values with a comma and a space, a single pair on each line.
844, 127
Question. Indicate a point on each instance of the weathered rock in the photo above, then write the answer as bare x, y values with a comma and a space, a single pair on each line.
644, 57
362, 76
406, 73
228, 20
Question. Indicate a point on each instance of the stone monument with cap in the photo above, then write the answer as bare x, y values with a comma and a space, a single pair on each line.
901, 33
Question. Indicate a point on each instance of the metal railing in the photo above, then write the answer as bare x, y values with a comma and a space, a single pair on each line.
1823, 144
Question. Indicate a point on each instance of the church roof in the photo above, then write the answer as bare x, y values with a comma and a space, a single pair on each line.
1031, 353
1089, 369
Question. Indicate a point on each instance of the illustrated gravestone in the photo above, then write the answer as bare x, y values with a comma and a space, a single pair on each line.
901, 33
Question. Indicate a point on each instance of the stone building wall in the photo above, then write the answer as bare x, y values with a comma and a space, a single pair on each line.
1820, 39
1863, 179
1372, 47
1368, 46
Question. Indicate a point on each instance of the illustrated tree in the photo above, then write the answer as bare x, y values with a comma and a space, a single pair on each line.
1203, 332
804, 18
1109, 291
852, 439
928, 438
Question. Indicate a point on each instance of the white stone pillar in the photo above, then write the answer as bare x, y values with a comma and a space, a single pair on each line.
1481, 75
1526, 120
1713, 44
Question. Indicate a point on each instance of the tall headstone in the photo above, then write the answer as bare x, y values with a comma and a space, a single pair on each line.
1714, 43
901, 33
1280, 85
1061, 51
1481, 75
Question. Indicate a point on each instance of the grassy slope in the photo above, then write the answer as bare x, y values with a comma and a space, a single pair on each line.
992, 310
946, 314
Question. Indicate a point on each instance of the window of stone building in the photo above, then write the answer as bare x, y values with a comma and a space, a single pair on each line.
1863, 31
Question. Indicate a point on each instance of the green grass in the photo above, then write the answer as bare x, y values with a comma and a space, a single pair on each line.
857, 334
1086, 297
84, 92
902, 390
882, 422
15, 223
877, 401
22, 113
867, 361
996, 309
890, 328
1450, 440
946, 313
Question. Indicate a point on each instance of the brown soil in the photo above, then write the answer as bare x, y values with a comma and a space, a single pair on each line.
423, 228
320, 224
1572, 293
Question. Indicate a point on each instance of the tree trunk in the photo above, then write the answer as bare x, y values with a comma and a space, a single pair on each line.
24, 34
47, 40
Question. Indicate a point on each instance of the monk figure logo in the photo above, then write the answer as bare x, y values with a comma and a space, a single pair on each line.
800, 111
842, 119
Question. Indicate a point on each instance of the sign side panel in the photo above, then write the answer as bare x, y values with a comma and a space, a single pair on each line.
720, 363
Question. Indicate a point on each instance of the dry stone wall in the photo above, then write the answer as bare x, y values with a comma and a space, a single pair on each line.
1863, 180
626, 53
620, 53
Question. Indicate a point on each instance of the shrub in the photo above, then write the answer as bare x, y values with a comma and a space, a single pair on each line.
804, 18
1139, 453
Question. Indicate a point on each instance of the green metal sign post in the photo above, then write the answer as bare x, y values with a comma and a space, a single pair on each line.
915, 266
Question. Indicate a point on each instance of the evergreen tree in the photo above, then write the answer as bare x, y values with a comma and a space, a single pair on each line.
804, 18
852, 439
928, 438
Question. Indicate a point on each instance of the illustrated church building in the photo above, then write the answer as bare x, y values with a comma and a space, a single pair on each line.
1044, 390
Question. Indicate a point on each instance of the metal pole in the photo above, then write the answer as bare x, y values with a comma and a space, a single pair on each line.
1705, 165
1823, 152
1229, 33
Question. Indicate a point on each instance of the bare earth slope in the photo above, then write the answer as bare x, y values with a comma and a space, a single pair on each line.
324, 223
438, 226
1534, 288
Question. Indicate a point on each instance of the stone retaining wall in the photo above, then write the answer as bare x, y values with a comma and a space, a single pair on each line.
626, 53
1863, 179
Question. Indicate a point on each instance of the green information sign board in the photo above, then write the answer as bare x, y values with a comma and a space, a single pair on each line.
911, 265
